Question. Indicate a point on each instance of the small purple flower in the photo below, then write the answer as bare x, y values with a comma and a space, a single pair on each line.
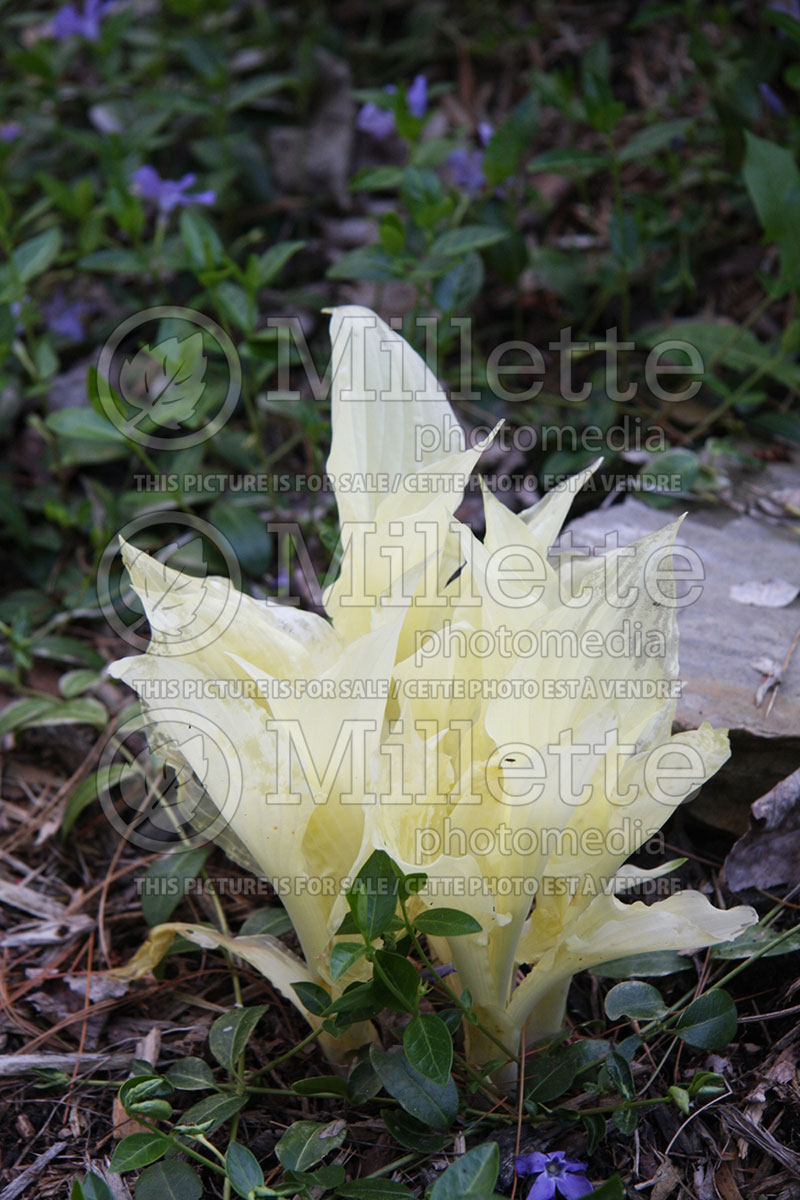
790, 7
417, 97
16, 312
376, 121
169, 193
466, 170
10, 131
485, 132
555, 1173
772, 100
65, 317
441, 972
379, 122
466, 166
70, 22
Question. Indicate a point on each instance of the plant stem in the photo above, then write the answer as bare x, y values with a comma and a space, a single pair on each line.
282, 1058
606, 1109
392, 1166
689, 996
448, 991
619, 213
175, 1141
226, 1187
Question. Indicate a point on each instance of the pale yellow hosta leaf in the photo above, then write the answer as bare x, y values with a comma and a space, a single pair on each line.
566, 721
442, 680
386, 408
595, 839
231, 760
399, 461
699, 753
393, 560
266, 796
210, 617
610, 929
545, 519
531, 533
685, 921
597, 618
264, 952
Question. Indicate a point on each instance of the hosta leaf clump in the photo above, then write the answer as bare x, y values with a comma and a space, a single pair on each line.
475, 710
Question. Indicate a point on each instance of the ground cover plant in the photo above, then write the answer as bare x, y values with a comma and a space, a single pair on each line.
585, 219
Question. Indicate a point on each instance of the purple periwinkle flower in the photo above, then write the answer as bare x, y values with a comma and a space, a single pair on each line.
417, 97
790, 7
380, 123
169, 193
376, 121
10, 131
485, 131
69, 21
64, 317
555, 1174
16, 312
466, 166
466, 170
442, 971
772, 100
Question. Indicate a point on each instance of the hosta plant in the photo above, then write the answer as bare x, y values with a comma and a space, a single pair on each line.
479, 710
